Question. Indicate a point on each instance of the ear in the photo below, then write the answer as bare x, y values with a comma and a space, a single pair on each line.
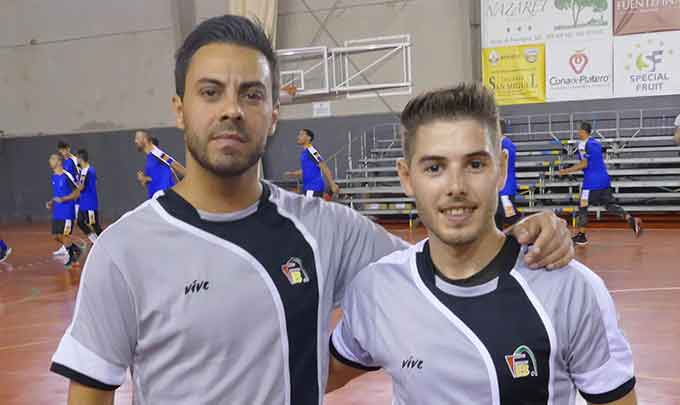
405, 176
275, 119
178, 109
503, 170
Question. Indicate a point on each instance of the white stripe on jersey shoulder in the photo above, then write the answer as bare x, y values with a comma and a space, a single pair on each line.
83, 172
460, 325
278, 303
619, 350
321, 341
70, 177
549, 327
315, 153
159, 153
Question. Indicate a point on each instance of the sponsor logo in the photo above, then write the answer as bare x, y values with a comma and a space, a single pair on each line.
522, 363
578, 62
196, 287
647, 67
412, 363
294, 271
494, 58
531, 55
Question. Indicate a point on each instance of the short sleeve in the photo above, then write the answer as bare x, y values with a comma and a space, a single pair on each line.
98, 346
361, 242
350, 341
314, 154
600, 359
84, 174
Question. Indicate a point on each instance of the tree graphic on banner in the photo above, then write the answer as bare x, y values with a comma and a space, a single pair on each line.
577, 7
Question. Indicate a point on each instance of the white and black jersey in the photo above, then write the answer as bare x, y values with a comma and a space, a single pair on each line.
217, 308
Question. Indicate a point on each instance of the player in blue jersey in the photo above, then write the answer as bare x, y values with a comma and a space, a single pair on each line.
160, 168
596, 189
313, 169
5, 250
71, 166
65, 192
88, 216
506, 213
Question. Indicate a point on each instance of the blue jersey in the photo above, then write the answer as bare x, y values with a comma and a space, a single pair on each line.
88, 195
71, 166
312, 178
595, 176
158, 167
63, 185
510, 187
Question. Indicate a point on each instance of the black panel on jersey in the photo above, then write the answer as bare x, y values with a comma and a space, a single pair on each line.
503, 320
273, 240
81, 379
612, 396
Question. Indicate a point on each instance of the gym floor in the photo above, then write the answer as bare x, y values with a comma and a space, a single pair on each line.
37, 300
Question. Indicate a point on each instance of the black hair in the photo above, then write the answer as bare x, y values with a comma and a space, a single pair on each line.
586, 127
226, 29
63, 144
309, 133
82, 153
155, 140
466, 100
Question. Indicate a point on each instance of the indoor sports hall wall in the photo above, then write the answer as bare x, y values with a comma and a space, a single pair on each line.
445, 43
107, 66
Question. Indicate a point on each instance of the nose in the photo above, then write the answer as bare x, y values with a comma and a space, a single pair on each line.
456, 185
231, 108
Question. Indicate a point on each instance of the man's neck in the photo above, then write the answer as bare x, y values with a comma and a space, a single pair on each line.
85, 165
306, 145
149, 148
464, 261
207, 192
59, 170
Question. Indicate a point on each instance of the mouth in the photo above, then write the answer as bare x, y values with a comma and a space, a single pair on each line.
458, 215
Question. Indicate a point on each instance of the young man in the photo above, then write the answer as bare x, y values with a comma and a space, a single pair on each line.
88, 216
71, 166
596, 189
5, 250
65, 193
159, 171
507, 214
459, 318
220, 291
313, 170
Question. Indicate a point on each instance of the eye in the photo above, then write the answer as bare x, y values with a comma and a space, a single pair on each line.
254, 95
477, 164
433, 168
209, 92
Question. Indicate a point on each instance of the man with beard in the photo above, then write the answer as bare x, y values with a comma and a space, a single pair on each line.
160, 168
220, 291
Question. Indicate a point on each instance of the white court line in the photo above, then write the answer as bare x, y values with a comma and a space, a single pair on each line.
645, 289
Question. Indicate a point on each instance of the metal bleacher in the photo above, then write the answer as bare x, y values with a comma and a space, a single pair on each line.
641, 156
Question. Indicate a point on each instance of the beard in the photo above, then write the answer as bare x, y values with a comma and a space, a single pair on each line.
220, 163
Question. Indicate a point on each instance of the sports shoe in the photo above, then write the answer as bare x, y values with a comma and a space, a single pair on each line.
61, 251
580, 239
636, 225
76, 252
5, 254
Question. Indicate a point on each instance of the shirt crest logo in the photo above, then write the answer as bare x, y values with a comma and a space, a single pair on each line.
522, 363
294, 271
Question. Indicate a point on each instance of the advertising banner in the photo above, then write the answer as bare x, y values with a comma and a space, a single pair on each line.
516, 74
578, 70
642, 16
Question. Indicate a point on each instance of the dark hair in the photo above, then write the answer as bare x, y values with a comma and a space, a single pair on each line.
586, 127
466, 100
154, 140
309, 133
504, 127
82, 153
63, 145
226, 29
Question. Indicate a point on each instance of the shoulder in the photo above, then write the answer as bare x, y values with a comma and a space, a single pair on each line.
392, 267
300, 206
130, 228
575, 279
